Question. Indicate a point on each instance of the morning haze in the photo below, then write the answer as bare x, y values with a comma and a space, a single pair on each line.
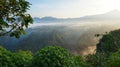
71, 8
59, 33
71, 24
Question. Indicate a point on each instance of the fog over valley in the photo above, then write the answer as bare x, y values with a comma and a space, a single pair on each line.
78, 36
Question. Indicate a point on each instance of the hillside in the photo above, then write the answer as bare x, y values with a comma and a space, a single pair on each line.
77, 37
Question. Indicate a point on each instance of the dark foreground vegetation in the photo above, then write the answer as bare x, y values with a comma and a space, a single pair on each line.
107, 55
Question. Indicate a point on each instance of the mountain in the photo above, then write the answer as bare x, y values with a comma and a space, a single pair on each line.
36, 19
44, 19
78, 38
113, 15
51, 19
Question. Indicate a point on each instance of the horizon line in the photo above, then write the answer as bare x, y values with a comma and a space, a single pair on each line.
116, 10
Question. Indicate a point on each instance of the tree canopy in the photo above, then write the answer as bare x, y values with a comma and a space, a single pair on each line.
110, 42
113, 60
53, 56
14, 59
14, 17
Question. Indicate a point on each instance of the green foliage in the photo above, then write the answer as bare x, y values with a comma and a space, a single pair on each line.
13, 17
50, 56
18, 59
53, 56
113, 60
109, 42
96, 60
79, 62
21, 58
5, 58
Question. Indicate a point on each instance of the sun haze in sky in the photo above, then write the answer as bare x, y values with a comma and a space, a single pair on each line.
71, 8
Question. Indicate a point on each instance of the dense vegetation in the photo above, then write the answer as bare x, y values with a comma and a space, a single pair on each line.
16, 59
113, 60
107, 51
53, 57
50, 56
110, 42
13, 20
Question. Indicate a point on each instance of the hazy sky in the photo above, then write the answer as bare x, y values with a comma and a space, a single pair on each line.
71, 8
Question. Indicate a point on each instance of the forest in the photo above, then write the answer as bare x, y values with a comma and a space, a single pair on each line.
73, 44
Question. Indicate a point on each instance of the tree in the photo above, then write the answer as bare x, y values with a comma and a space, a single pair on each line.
109, 43
53, 56
13, 17
113, 60
14, 59
21, 58
96, 60
5, 58
79, 62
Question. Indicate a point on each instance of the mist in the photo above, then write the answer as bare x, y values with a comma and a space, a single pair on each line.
78, 37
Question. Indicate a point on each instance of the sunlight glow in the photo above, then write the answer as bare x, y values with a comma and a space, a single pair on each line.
71, 8
113, 4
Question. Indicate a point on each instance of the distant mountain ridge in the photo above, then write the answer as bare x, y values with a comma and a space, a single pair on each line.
113, 15
76, 37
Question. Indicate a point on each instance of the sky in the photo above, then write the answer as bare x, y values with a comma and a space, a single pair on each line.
71, 8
